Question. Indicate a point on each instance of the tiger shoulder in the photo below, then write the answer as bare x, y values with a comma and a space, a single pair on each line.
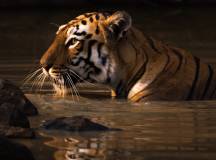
101, 47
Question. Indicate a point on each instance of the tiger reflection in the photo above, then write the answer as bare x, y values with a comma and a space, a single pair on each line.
74, 149
86, 150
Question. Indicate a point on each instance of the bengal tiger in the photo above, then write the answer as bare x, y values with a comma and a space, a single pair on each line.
102, 47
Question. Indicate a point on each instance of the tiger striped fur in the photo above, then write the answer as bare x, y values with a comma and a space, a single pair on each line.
105, 48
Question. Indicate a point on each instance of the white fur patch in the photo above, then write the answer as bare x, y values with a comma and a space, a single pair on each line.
72, 30
97, 61
139, 86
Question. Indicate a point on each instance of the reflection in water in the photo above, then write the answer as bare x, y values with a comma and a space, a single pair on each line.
78, 147
157, 130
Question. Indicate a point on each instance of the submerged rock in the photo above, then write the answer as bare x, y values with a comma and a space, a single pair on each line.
14, 151
76, 123
9, 93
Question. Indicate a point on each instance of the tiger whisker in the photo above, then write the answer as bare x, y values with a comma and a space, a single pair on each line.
74, 87
57, 25
64, 86
42, 82
71, 88
35, 81
37, 84
30, 76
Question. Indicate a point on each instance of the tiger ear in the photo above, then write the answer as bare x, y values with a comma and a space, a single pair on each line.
117, 25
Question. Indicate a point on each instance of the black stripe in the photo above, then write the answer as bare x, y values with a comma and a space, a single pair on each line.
96, 69
97, 31
80, 33
97, 17
103, 60
152, 44
99, 49
108, 74
208, 82
108, 80
83, 22
77, 27
213, 93
180, 58
87, 61
88, 36
91, 19
78, 61
167, 63
124, 33
119, 87
197, 70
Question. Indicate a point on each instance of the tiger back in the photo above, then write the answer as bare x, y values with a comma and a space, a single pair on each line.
106, 48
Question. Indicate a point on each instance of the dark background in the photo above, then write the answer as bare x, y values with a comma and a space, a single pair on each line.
28, 26
73, 3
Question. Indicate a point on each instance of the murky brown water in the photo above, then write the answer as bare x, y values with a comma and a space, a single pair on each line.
150, 131
155, 130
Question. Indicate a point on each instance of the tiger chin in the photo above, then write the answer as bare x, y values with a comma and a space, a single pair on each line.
106, 48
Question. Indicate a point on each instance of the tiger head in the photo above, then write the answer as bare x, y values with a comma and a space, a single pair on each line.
83, 49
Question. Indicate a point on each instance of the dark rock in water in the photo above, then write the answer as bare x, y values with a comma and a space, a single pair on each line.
14, 151
10, 93
16, 132
28, 108
12, 116
76, 123
14, 123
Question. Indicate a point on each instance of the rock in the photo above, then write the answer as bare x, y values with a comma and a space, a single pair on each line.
16, 132
76, 123
14, 123
14, 151
10, 93
12, 116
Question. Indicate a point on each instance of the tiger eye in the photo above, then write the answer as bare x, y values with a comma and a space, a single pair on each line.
72, 41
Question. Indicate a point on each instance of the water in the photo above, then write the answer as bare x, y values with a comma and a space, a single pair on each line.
155, 130
150, 131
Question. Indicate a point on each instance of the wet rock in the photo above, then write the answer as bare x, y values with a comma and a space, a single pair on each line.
12, 116
14, 123
76, 123
16, 132
14, 151
10, 93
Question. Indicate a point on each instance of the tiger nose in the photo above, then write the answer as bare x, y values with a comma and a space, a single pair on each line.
47, 66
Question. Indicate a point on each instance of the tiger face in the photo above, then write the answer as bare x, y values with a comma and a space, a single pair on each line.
82, 49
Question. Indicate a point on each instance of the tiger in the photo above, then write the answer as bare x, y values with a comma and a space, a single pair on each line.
105, 48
